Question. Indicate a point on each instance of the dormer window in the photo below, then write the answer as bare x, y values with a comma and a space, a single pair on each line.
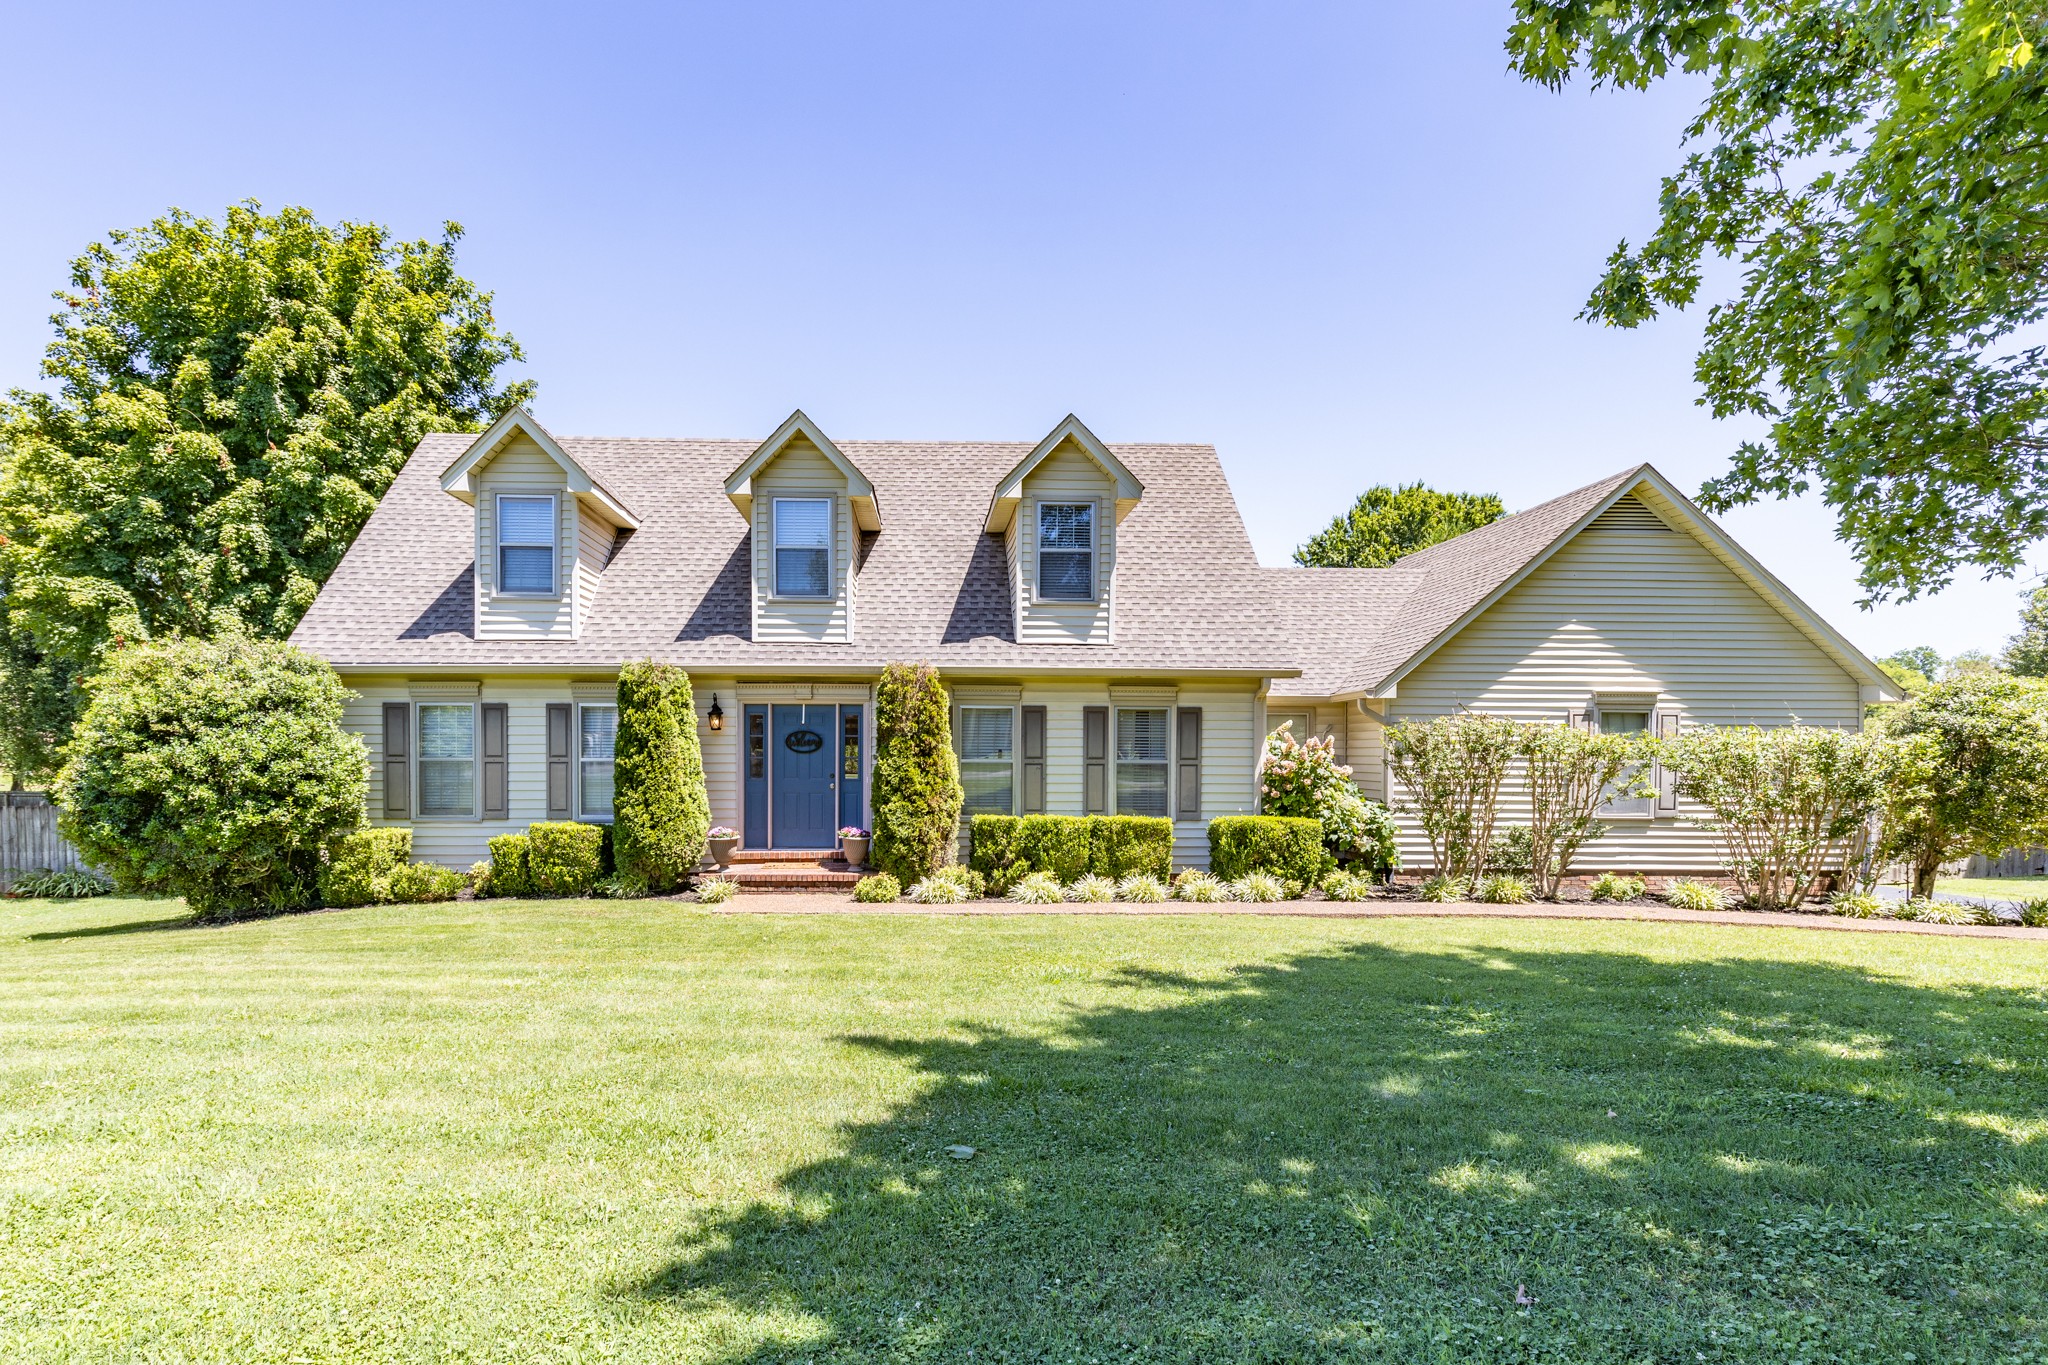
526, 545
1066, 551
803, 547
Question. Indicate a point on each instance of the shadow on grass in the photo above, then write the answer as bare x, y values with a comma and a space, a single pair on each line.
133, 926
1374, 1154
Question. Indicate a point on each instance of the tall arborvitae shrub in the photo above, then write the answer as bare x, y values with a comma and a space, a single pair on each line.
917, 778
660, 811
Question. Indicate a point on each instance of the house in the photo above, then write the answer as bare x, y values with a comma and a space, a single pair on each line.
1111, 642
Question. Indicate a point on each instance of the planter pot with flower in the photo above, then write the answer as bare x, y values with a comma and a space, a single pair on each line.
853, 845
720, 843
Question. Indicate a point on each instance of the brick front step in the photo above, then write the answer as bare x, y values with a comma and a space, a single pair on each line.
785, 855
812, 876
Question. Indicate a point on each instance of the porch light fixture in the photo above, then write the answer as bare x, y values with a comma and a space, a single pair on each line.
716, 715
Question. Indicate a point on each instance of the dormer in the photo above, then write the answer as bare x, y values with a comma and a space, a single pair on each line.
807, 506
1058, 513
545, 530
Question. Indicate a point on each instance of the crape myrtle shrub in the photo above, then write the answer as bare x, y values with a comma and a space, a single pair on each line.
213, 770
1005, 848
1284, 846
916, 795
660, 810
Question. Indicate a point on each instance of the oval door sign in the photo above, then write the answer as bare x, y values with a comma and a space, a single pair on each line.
803, 741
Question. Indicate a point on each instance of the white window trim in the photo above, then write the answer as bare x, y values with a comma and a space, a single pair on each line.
498, 588
419, 765
1116, 761
1038, 597
831, 593
1016, 754
1631, 705
580, 815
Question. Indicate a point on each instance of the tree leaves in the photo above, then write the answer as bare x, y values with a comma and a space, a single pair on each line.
1879, 170
228, 401
1386, 523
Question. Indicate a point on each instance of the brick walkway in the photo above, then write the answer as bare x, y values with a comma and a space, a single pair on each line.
806, 903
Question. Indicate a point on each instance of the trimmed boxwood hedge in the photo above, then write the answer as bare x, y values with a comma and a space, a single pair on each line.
358, 866
564, 857
508, 865
1007, 847
1289, 847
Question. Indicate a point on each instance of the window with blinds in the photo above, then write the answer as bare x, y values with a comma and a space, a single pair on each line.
1142, 749
803, 547
447, 758
1066, 551
988, 769
526, 544
600, 731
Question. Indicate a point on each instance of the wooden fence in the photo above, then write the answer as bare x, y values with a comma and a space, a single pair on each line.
29, 841
2014, 862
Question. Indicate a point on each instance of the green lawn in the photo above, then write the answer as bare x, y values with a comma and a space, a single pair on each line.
635, 1132
2009, 888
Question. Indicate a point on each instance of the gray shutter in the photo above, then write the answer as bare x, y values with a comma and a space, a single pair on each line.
496, 802
1031, 748
1666, 781
1576, 718
397, 760
1095, 759
1189, 754
561, 730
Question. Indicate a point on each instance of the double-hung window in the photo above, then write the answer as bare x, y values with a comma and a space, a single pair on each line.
988, 769
526, 544
1625, 722
1066, 551
1141, 761
599, 734
447, 758
803, 547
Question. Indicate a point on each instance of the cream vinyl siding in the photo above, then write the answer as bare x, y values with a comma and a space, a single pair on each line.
1066, 475
458, 842
801, 470
1230, 747
1631, 611
722, 756
1365, 743
594, 539
522, 467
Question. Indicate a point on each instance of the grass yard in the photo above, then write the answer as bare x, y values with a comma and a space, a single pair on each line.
606, 1131
2008, 888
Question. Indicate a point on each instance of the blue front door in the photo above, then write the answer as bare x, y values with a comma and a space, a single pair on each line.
805, 753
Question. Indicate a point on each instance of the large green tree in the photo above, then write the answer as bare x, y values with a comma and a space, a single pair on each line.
1974, 772
226, 402
1879, 170
2026, 653
1386, 523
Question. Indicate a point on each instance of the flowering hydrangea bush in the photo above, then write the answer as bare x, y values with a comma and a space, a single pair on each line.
1306, 780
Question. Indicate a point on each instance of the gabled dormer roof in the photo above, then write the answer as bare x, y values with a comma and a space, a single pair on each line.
1010, 491
460, 478
739, 485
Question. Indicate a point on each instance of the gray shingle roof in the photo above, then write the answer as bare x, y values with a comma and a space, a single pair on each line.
1389, 615
1190, 596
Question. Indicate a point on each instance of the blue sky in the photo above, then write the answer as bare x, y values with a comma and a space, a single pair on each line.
1338, 241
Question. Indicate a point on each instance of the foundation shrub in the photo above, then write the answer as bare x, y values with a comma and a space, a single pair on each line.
419, 883
357, 867
1287, 847
916, 791
563, 857
508, 865
879, 889
1120, 846
1006, 847
661, 812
